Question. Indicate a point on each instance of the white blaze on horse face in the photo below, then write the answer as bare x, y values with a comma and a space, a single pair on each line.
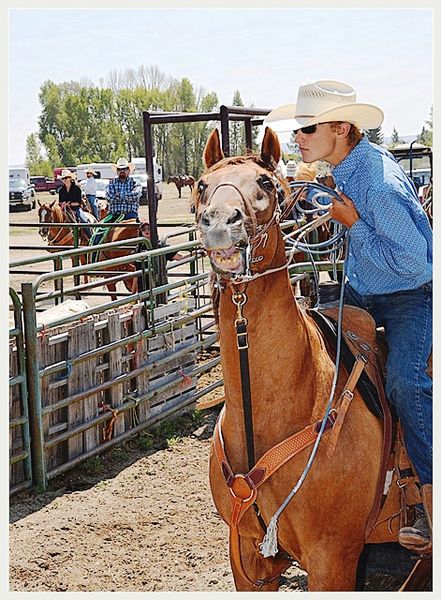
222, 222
43, 215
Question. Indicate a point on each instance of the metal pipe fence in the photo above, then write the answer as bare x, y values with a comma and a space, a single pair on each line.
134, 360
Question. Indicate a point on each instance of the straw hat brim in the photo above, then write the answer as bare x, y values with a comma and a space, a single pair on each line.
66, 175
131, 167
364, 116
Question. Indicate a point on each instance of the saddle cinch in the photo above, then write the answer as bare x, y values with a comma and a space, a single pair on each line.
398, 489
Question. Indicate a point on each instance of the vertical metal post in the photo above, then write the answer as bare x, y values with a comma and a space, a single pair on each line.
75, 259
21, 363
248, 136
225, 131
148, 143
411, 160
34, 387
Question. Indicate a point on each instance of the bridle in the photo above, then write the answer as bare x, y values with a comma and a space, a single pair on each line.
257, 239
60, 234
259, 235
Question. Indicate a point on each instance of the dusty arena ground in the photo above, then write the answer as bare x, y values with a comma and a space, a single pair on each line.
137, 519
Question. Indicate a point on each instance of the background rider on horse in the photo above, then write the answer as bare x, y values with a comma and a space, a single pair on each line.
123, 193
71, 199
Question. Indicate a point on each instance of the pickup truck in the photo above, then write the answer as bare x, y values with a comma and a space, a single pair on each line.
43, 184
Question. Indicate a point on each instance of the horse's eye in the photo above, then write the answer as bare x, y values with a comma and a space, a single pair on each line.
201, 187
266, 183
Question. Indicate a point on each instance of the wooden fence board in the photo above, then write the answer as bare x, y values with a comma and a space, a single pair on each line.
91, 435
75, 410
116, 368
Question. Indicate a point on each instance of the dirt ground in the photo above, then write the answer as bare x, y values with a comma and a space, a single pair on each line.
133, 520
137, 519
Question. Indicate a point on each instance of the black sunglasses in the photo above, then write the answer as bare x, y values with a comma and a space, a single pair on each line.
122, 169
308, 130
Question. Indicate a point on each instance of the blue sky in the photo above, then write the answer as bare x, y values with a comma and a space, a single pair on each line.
385, 54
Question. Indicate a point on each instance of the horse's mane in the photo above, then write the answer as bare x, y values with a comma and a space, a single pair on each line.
59, 213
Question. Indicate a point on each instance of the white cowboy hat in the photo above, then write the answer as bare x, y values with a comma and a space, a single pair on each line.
325, 101
66, 173
123, 163
90, 171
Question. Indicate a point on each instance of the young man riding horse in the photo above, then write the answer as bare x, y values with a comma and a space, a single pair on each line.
389, 262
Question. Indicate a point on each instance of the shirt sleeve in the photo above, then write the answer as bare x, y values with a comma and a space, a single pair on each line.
111, 190
394, 238
136, 191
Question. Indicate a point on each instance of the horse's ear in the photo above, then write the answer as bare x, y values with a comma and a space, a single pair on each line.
38, 202
213, 151
52, 204
270, 151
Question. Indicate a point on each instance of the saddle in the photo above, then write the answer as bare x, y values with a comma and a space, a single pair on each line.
398, 489
101, 234
71, 217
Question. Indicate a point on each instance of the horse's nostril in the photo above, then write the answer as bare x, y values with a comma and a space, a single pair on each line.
205, 220
237, 216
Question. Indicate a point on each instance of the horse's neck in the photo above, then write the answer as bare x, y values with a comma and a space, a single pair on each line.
290, 372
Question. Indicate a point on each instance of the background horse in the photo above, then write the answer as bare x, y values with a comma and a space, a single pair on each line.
181, 181
119, 234
288, 386
51, 214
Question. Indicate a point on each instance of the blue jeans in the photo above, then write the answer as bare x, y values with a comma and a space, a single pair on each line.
82, 218
407, 320
92, 201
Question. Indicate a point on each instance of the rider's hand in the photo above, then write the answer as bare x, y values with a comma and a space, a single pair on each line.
344, 211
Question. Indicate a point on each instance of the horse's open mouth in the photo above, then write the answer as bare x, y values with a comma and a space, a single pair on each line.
229, 260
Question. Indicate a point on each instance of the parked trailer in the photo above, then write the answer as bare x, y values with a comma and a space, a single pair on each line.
20, 172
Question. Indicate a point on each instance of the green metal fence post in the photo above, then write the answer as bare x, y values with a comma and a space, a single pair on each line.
34, 387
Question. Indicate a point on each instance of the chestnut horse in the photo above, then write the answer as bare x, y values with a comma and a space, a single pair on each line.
119, 234
48, 216
181, 181
290, 380
52, 213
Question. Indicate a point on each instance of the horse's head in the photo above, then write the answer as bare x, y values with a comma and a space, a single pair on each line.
48, 213
236, 202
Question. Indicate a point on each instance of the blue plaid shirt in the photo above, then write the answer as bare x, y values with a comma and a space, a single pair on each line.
123, 196
390, 246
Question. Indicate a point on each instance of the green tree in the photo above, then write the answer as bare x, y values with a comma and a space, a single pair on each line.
426, 135
237, 130
35, 162
292, 144
395, 138
375, 135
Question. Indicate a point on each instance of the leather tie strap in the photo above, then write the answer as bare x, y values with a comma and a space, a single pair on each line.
344, 402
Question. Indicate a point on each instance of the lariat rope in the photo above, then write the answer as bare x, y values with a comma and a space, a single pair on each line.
268, 547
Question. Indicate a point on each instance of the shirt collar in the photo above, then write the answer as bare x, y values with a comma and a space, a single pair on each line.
348, 165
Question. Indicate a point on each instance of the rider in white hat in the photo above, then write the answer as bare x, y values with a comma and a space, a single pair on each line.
389, 259
123, 192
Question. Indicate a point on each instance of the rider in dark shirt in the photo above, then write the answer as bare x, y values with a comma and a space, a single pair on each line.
70, 196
